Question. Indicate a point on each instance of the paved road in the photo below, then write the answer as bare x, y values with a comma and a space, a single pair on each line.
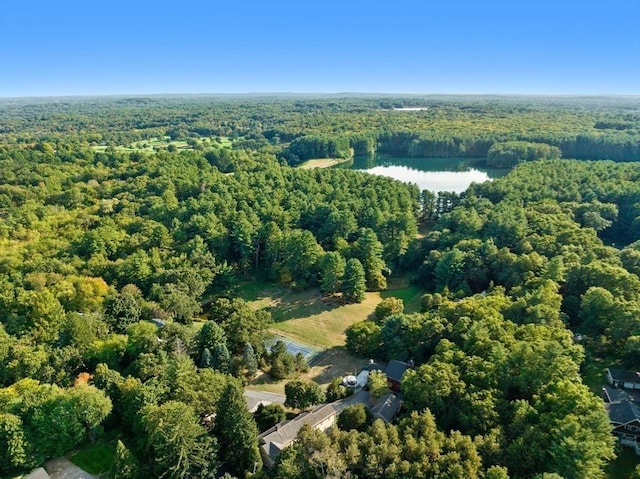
256, 397
63, 468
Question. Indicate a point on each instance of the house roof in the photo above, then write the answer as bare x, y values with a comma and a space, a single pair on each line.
274, 440
375, 367
624, 375
386, 407
623, 412
617, 395
396, 369
283, 434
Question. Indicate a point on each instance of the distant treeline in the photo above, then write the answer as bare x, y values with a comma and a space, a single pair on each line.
295, 129
503, 151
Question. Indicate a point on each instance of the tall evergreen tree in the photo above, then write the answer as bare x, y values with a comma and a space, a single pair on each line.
249, 360
332, 266
221, 358
237, 432
180, 446
354, 283
368, 250
207, 359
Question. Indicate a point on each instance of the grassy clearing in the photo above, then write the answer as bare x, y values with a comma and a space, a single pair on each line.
410, 294
593, 373
264, 383
152, 143
332, 363
96, 459
308, 317
321, 163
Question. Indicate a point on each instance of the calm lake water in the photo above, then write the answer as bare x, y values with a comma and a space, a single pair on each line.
435, 174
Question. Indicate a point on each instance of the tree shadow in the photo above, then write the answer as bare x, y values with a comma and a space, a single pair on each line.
285, 309
334, 362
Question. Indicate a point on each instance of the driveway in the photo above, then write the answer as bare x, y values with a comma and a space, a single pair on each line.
259, 397
63, 468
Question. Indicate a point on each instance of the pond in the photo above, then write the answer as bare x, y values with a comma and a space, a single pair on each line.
434, 174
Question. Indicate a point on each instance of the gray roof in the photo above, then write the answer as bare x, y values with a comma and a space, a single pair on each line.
624, 375
281, 435
396, 369
617, 395
386, 407
623, 412
375, 367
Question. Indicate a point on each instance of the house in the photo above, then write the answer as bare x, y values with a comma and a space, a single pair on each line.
623, 408
622, 378
386, 407
274, 440
395, 371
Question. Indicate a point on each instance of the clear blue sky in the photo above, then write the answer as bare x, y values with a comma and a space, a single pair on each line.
85, 47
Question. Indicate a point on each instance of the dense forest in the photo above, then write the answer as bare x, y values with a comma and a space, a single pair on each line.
119, 211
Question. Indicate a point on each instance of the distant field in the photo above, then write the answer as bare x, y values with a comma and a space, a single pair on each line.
321, 163
164, 142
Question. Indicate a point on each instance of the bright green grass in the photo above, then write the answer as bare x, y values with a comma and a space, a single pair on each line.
410, 294
95, 459
593, 373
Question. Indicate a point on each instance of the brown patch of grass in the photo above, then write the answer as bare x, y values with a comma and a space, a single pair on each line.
264, 382
332, 363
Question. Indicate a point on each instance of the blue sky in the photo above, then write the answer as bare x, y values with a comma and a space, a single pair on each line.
86, 47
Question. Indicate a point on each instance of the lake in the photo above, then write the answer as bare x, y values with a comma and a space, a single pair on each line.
434, 174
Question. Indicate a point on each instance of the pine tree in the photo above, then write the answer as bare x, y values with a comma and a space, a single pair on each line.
221, 358
237, 432
207, 359
249, 359
354, 283
125, 465
332, 266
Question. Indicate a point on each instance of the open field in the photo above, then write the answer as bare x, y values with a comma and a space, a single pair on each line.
321, 163
152, 143
306, 316
310, 318
410, 294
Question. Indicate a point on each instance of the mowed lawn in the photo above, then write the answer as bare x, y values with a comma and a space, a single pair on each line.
308, 317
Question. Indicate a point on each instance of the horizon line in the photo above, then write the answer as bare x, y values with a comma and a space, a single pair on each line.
318, 93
